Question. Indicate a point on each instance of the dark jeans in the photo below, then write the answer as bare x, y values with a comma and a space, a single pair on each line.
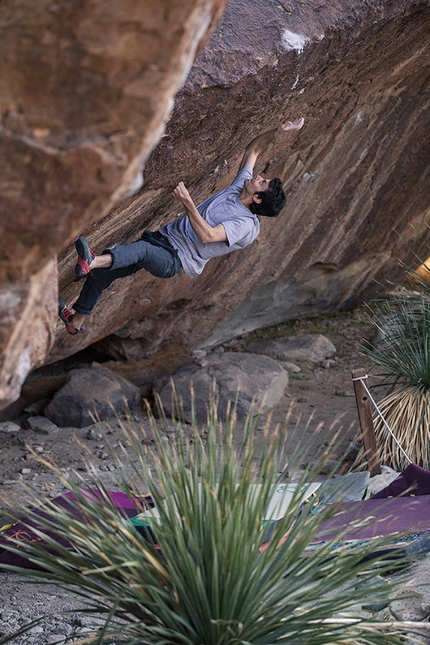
152, 252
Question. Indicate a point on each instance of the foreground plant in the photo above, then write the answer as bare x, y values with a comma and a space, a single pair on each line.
404, 358
210, 581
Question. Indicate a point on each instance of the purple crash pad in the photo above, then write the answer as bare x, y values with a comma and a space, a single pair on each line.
401, 507
126, 505
378, 517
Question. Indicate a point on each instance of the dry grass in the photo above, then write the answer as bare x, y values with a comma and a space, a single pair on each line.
407, 413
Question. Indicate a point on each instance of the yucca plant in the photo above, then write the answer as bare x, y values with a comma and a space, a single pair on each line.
403, 356
210, 581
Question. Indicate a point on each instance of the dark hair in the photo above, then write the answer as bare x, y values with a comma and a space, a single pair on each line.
273, 200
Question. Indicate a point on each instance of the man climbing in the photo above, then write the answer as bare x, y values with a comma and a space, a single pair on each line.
225, 222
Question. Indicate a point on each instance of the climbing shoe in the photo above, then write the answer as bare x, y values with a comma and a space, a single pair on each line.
85, 257
67, 318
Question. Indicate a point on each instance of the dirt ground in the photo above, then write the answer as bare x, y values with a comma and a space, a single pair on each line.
323, 394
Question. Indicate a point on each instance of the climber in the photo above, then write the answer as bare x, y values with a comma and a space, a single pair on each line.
225, 222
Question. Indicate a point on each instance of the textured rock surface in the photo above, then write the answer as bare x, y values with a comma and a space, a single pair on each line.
91, 394
249, 377
85, 91
357, 175
27, 311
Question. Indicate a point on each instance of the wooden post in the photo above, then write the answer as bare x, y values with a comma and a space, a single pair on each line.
366, 423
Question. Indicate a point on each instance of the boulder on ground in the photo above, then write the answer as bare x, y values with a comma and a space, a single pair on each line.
247, 377
290, 367
309, 347
91, 393
9, 427
41, 424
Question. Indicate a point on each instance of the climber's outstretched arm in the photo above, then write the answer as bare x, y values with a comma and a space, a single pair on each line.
260, 143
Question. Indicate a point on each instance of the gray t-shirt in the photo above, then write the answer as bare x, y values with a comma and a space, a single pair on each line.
241, 227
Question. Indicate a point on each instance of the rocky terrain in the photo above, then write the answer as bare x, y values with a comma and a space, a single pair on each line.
322, 390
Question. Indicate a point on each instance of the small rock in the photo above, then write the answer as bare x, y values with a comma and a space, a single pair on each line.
76, 620
302, 399
290, 367
93, 435
64, 629
25, 471
327, 363
199, 354
343, 393
9, 427
410, 607
40, 424
52, 639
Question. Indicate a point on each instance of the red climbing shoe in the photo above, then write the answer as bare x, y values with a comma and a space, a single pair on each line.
85, 257
67, 317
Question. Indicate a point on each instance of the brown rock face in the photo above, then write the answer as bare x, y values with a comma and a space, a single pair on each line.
85, 90
357, 175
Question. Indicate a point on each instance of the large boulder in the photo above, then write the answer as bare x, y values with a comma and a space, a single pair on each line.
91, 394
86, 89
231, 377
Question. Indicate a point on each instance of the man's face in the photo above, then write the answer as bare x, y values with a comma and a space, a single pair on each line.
256, 185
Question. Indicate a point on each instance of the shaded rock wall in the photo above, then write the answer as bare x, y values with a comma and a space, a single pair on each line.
85, 90
357, 175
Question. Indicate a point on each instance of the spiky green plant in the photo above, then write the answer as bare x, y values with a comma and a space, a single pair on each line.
211, 583
403, 355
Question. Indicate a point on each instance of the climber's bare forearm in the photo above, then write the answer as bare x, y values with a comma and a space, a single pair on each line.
260, 143
201, 228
